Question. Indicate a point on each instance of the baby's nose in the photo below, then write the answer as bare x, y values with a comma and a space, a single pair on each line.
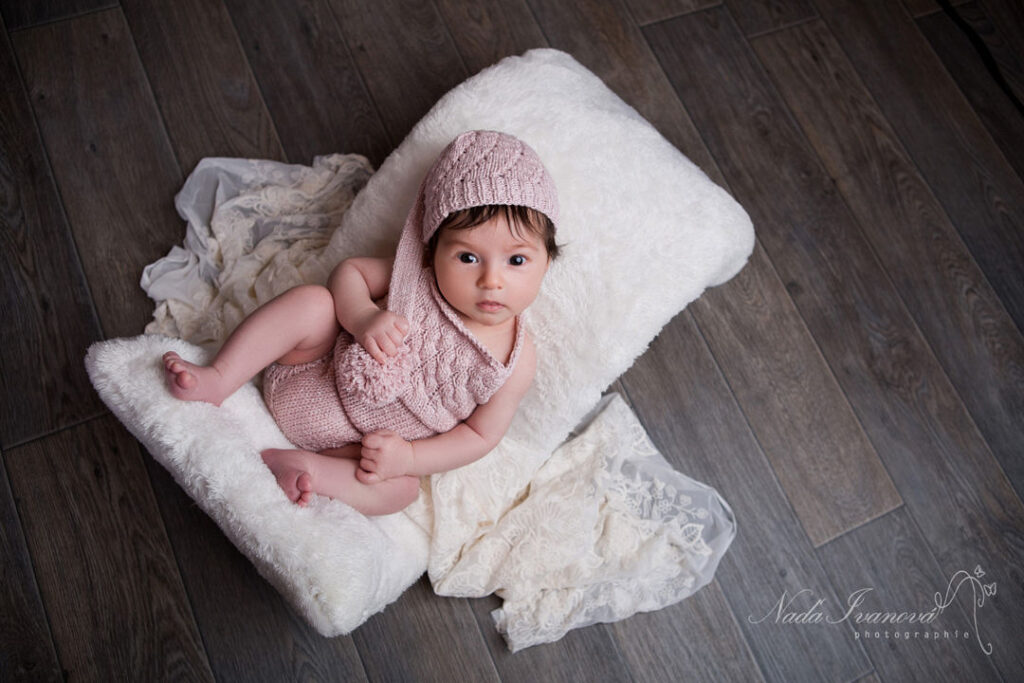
490, 278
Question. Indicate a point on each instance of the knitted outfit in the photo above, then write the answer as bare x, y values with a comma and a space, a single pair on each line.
442, 372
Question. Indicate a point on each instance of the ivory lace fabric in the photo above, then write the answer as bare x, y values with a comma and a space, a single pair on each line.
604, 529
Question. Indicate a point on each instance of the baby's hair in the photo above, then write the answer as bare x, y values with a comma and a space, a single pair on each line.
519, 218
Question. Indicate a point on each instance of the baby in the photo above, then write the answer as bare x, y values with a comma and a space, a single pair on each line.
377, 398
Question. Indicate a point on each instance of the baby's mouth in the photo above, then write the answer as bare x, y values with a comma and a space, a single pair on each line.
490, 306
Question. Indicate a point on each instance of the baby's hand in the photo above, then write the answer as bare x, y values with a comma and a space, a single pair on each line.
385, 455
382, 334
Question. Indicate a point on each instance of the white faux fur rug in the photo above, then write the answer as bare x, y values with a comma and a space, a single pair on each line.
592, 530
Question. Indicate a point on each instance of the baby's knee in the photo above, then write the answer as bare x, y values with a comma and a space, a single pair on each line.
403, 492
311, 296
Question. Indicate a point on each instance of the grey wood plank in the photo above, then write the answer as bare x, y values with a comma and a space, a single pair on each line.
995, 109
26, 648
588, 654
47, 318
423, 637
405, 55
114, 167
909, 409
201, 80
106, 572
886, 567
602, 36
952, 303
309, 79
652, 11
1008, 50
249, 631
672, 644
485, 32
24, 13
687, 409
761, 16
818, 450
966, 169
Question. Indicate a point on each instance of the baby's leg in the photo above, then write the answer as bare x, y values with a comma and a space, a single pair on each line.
302, 473
297, 327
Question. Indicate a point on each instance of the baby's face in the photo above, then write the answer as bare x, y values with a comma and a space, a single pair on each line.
487, 273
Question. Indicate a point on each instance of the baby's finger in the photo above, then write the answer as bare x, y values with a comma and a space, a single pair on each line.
368, 465
386, 345
396, 337
367, 477
373, 440
371, 348
402, 324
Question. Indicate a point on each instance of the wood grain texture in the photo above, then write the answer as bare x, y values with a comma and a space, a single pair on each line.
114, 167
761, 16
423, 637
963, 320
1008, 50
485, 32
818, 450
209, 99
587, 654
309, 80
966, 169
687, 409
943, 469
106, 572
23, 13
890, 559
47, 319
994, 107
652, 11
249, 631
602, 37
671, 644
26, 648
405, 55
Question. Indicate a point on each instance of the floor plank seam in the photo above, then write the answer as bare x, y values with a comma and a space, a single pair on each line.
9, 448
57, 20
51, 177
256, 82
151, 91
339, 25
782, 28
684, 13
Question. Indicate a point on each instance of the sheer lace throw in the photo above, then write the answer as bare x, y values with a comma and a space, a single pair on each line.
605, 527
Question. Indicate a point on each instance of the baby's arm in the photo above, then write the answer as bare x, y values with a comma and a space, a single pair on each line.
386, 455
354, 284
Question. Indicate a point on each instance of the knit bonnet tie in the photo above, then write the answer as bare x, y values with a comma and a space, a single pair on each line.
477, 168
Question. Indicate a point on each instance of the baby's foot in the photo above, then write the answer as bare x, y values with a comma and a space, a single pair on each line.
292, 470
191, 382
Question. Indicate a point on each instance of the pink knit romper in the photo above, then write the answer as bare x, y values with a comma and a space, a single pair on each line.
442, 372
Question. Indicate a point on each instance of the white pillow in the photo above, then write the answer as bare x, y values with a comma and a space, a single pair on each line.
644, 233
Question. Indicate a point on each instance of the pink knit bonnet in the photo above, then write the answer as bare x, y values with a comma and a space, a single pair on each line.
477, 168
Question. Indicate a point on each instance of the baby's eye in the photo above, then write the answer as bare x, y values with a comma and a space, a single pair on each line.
466, 257
517, 260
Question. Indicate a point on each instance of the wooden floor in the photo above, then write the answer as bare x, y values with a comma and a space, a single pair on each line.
856, 393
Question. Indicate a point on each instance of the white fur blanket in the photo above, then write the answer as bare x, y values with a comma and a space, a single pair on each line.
593, 530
